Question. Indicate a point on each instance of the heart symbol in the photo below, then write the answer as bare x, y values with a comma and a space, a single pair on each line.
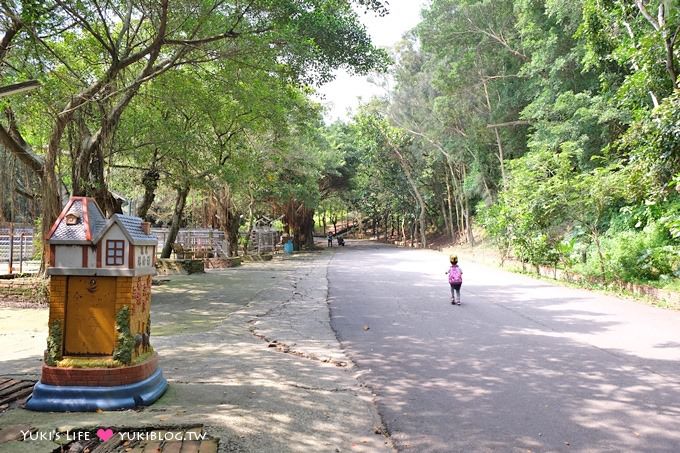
105, 434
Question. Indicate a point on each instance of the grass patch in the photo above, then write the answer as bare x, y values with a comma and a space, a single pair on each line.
101, 362
141, 358
84, 362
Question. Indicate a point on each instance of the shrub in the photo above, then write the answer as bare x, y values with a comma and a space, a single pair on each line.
649, 254
643, 255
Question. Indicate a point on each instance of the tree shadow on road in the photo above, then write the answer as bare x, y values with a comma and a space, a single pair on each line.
532, 366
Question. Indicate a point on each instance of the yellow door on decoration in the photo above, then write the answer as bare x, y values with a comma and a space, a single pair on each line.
90, 316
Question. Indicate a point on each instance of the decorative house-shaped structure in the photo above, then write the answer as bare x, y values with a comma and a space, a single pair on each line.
100, 297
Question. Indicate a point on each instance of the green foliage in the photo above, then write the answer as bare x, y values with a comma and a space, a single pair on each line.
596, 191
204, 94
558, 120
650, 147
629, 50
639, 256
636, 255
55, 339
497, 221
125, 342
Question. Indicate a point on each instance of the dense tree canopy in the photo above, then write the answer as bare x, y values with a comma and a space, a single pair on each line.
553, 123
550, 126
216, 77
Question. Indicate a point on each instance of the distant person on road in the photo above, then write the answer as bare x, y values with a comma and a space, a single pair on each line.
330, 240
455, 279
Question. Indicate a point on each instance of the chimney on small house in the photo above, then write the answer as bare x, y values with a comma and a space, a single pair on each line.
146, 228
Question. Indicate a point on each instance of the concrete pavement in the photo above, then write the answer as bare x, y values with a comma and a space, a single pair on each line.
522, 365
248, 352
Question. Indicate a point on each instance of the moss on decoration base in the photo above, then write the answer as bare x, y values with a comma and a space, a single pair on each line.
53, 354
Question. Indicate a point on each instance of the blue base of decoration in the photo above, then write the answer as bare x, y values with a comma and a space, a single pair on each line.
58, 398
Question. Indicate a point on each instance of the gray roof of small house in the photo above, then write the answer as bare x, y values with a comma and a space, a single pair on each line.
97, 219
93, 225
132, 228
91, 222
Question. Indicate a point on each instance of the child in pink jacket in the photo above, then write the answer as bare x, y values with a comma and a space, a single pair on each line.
455, 279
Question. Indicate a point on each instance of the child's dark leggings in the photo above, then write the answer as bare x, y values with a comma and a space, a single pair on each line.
455, 291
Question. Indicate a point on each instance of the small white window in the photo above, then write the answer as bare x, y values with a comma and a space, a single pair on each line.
114, 252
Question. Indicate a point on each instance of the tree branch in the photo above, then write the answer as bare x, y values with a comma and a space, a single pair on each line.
229, 34
508, 123
86, 25
126, 27
643, 9
113, 50
498, 38
7, 38
21, 151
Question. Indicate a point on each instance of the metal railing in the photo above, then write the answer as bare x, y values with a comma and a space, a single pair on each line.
202, 240
16, 247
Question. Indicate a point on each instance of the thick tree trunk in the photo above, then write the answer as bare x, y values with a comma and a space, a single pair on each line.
81, 155
88, 164
231, 226
51, 202
459, 223
307, 228
180, 203
452, 187
423, 231
229, 220
251, 222
299, 222
460, 208
150, 182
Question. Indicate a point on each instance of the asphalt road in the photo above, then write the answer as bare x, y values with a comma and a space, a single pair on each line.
522, 365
